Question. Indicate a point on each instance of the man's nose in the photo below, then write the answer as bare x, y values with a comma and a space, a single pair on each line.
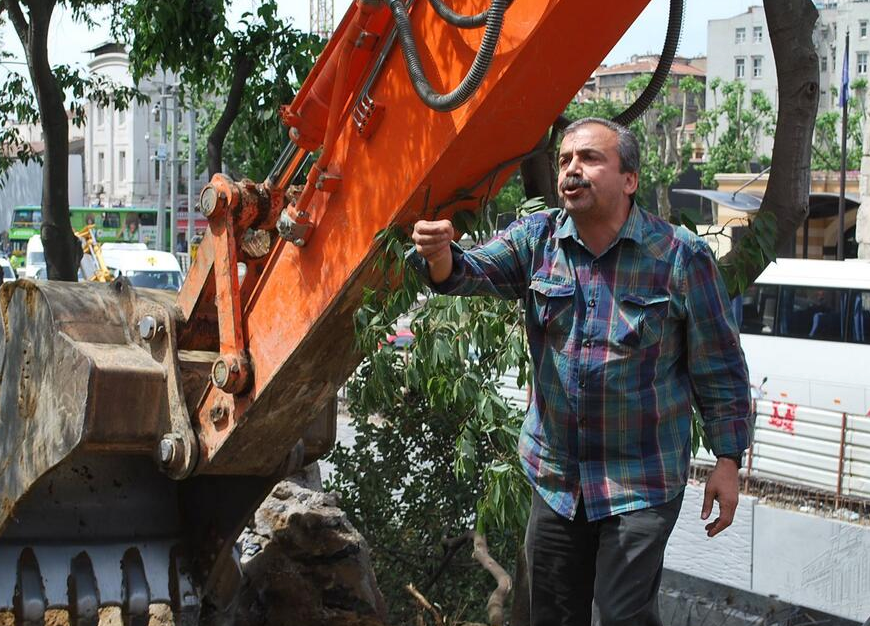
575, 167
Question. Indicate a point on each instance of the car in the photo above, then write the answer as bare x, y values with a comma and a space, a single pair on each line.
8, 272
402, 339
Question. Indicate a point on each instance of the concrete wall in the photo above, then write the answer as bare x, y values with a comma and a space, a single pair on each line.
800, 558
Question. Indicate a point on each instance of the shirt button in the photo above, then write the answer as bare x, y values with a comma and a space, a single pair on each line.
591, 303
582, 384
587, 343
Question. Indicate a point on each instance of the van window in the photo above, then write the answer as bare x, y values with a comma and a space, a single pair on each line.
812, 313
858, 317
757, 314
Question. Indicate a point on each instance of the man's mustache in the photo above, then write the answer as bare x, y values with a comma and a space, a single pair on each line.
574, 182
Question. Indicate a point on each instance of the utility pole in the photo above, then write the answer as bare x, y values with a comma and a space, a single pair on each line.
161, 169
173, 175
321, 17
191, 172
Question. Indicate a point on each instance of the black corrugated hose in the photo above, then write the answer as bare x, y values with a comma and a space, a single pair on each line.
457, 97
672, 40
462, 21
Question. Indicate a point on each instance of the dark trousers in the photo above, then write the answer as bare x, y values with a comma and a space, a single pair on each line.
613, 565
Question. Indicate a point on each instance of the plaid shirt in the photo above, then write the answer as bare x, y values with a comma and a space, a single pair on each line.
622, 344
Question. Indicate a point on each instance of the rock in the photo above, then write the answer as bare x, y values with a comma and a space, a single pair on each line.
303, 563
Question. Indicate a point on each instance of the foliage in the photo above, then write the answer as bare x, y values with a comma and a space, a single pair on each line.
439, 457
206, 53
827, 153
19, 106
732, 129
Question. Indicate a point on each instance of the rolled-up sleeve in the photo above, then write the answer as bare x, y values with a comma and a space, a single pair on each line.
496, 268
717, 367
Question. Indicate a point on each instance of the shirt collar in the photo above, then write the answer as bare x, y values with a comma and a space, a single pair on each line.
631, 229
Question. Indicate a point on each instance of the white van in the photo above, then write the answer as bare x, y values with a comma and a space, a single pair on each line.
8, 272
143, 267
34, 259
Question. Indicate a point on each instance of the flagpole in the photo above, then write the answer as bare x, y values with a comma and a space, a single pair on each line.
844, 100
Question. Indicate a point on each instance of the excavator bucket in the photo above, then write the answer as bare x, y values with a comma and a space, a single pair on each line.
87, 517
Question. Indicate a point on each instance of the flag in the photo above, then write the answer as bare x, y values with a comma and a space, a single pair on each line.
844, 83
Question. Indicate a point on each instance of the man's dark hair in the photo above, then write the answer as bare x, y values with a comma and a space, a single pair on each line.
627, 144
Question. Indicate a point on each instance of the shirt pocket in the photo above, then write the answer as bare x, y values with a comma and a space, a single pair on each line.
553, 304
640, 319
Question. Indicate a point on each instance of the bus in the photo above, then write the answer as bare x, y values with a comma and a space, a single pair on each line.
111, 224
805, 331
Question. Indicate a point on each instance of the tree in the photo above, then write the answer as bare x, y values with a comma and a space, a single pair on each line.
51, 88
665, 146
732, 130
446, 387
228, 73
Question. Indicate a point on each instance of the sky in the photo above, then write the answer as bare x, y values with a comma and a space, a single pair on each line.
68, 40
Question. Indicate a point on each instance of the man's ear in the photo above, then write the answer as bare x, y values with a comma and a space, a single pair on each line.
630, 187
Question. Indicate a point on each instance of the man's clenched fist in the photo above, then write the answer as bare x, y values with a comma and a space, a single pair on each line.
432, 240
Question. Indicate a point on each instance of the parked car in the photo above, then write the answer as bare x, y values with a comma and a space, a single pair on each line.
8, 272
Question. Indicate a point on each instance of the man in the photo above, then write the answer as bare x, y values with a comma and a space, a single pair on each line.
629, 324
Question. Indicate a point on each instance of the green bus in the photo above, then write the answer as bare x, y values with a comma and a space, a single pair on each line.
111, 224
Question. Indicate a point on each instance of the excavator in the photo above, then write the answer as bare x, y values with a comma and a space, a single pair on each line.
140, 429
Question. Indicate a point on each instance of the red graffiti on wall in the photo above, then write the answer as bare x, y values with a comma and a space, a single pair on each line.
783, 416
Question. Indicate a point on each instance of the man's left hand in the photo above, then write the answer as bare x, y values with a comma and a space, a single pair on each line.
722, 487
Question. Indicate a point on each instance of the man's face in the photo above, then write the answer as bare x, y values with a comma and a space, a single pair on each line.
590, 181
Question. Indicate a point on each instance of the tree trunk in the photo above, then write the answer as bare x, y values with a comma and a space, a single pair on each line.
244, 65
62, 249
790, 23
539, 170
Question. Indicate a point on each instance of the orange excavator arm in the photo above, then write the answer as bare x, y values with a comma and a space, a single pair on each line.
138, 431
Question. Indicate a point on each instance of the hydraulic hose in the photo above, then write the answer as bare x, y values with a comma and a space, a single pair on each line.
672, 40
480, 66
455, 19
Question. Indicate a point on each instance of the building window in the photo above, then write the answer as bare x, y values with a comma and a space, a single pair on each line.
122, 117
862, 29
756, 67
757, 34
122, 165
740, 35
739, 68
101, 116
824, 64
101, 166
862, 63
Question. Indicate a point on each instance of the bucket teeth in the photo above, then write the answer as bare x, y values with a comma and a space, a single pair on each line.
84, 579
137, 596
84, 600
30, 603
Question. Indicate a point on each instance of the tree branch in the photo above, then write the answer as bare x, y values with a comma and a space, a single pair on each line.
453, 544
424, 603
495, 604
244, 65
18, 19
